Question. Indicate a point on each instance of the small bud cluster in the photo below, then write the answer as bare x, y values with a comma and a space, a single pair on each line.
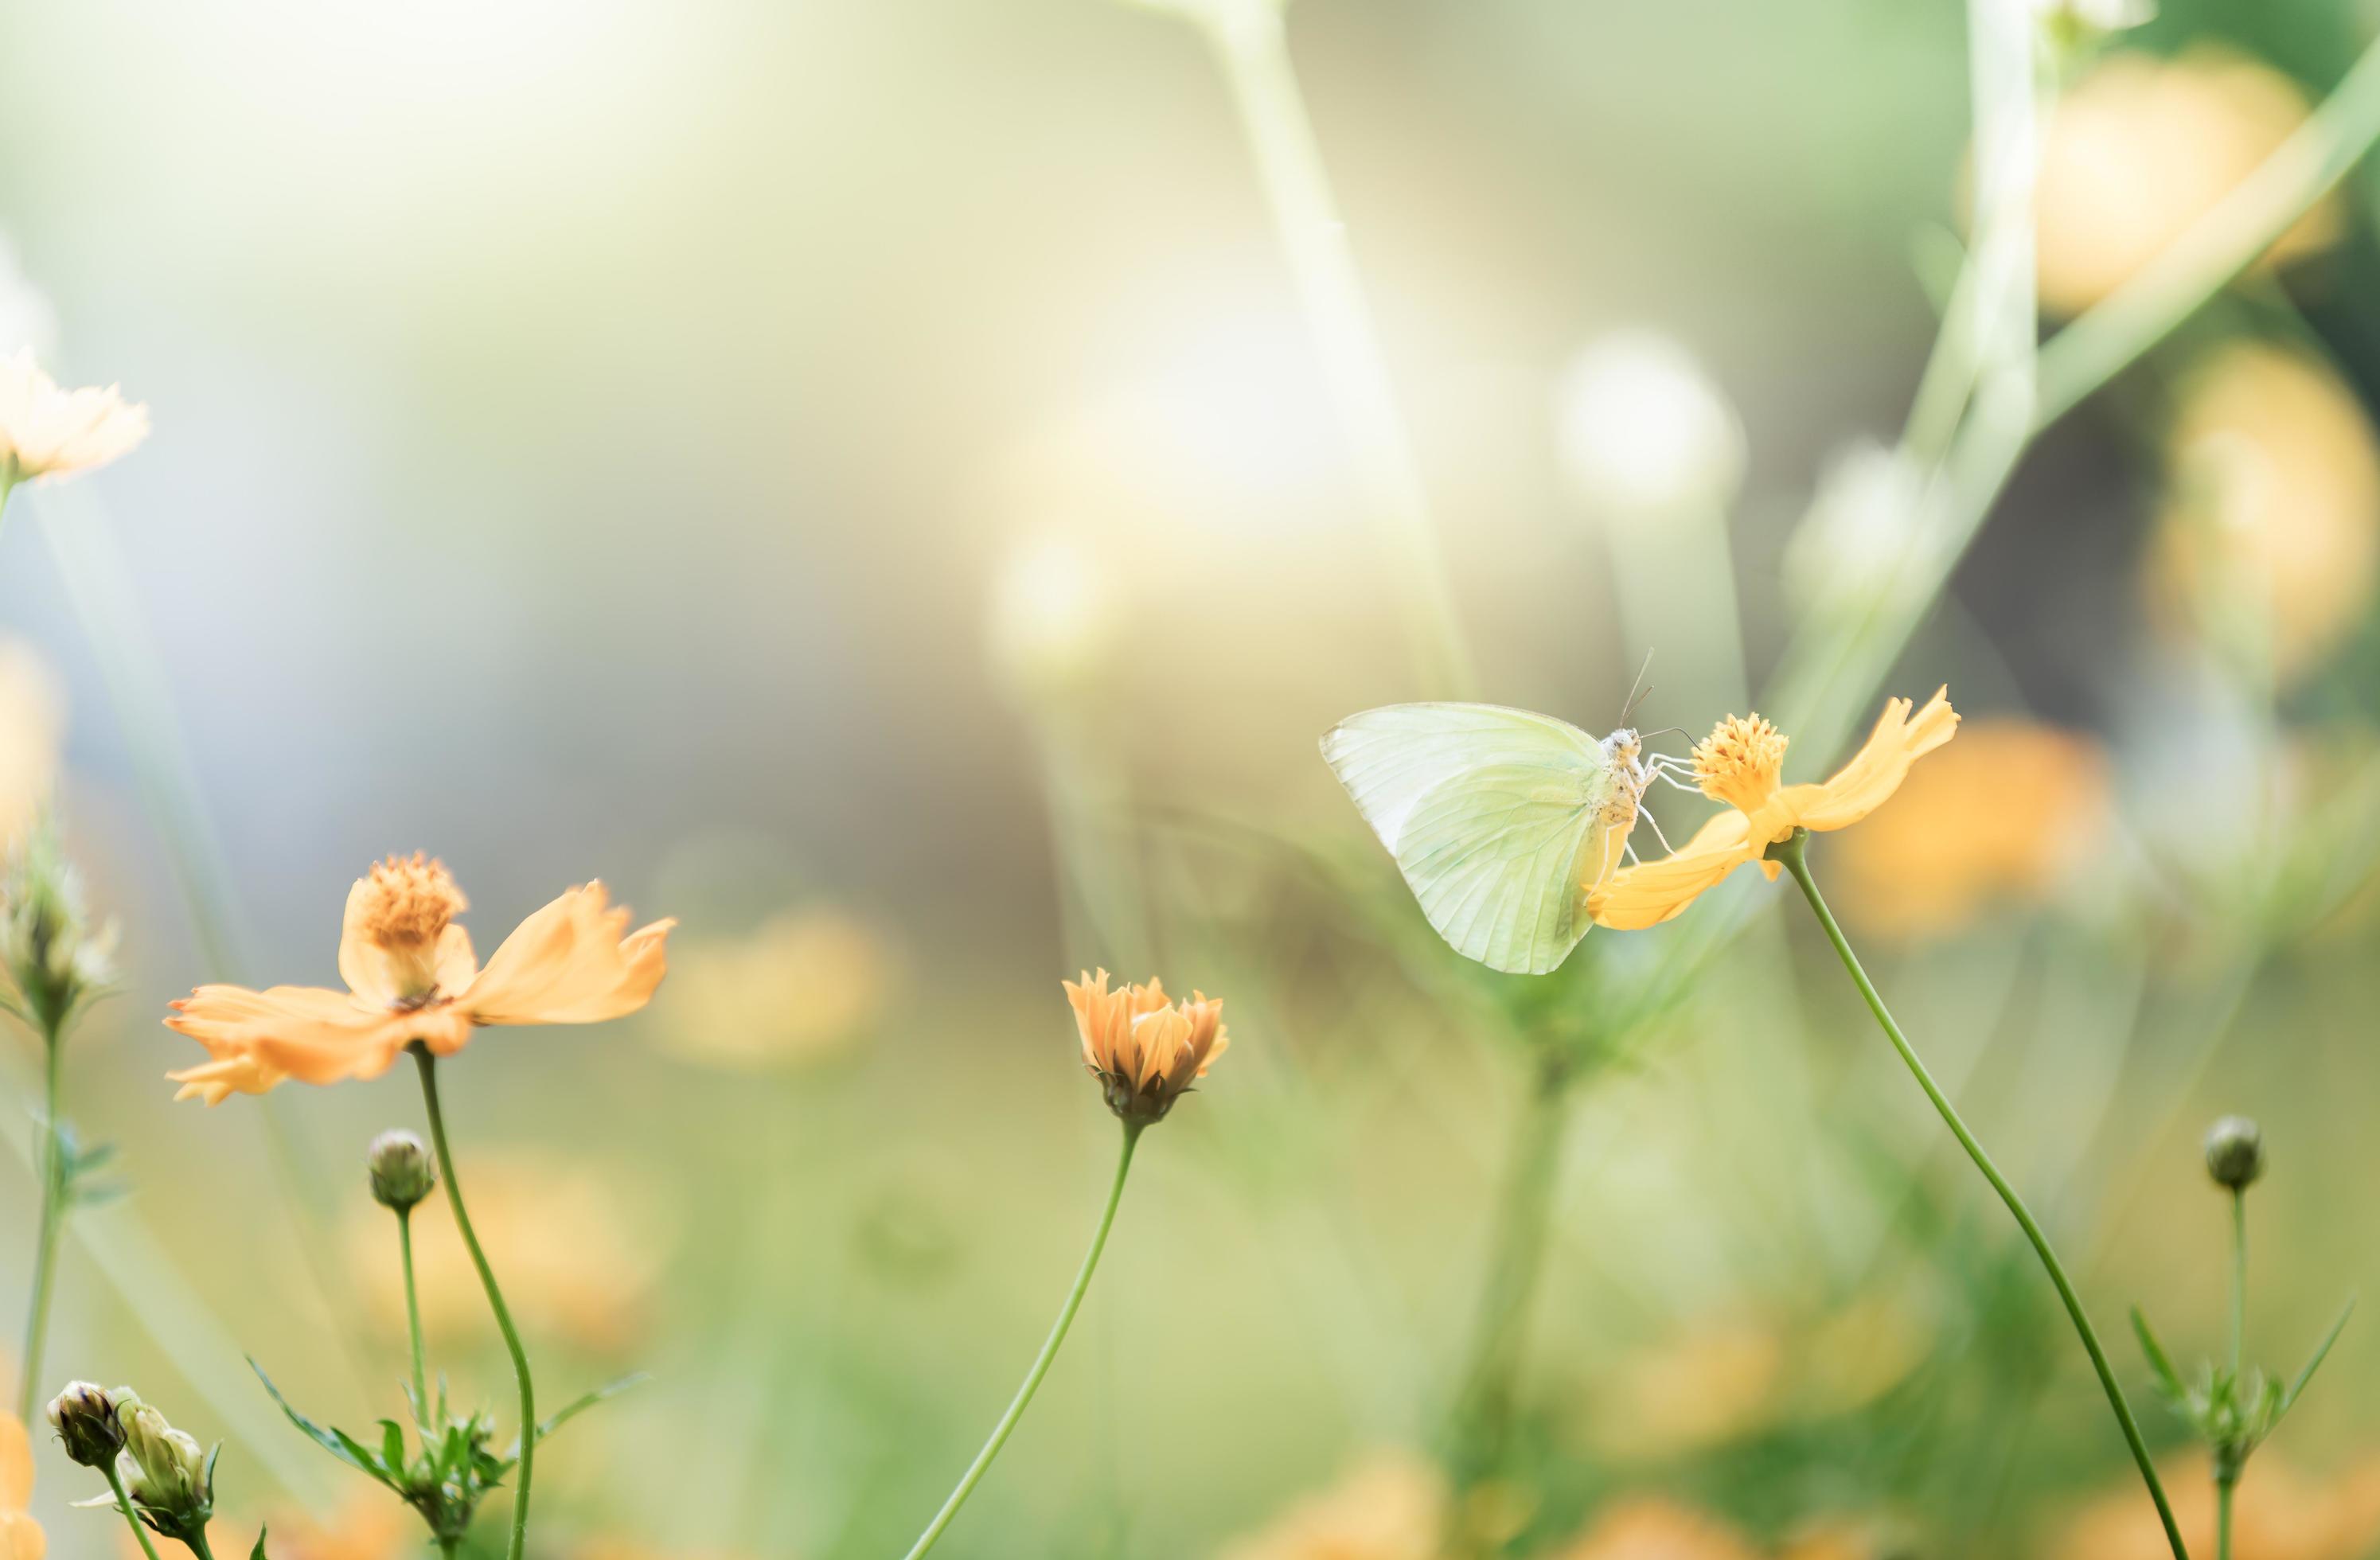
51, 955
2234, 1153
169, 1476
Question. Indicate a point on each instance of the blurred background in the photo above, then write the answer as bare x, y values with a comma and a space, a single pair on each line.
901, 485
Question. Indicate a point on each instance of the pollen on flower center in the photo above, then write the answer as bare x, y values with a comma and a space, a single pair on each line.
1741, 760
407, 904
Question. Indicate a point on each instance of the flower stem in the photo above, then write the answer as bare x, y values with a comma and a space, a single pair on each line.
412, 1313
1041, 1362
2239, 1279
429, 1067
196, 1544
45, 1250
123, 1504
1483, 1404
1791, 854
2223, 1488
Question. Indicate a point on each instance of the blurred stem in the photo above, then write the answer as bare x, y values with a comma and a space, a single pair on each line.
2223, 1488
1252, 46
46, 1248
198, 1545
123, 1504
2239, 1279
1793, 852
1483, 1405
413, 1314
429, 1067
1041, 1362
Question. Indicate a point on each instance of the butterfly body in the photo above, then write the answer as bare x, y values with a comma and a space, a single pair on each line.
1501, 820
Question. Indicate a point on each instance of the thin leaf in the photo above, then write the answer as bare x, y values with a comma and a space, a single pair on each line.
564, 1415
2162, 1366
257, 1553
333, 1442
2289, 1398
392, 1446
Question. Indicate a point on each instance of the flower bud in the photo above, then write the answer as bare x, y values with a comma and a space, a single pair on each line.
168, 1475
51, 952
2234, 1153
84, 1417
402, 1173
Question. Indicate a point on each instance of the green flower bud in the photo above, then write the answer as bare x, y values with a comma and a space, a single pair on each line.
84, 1417
168, 1475
2234, 1153
51, 952
401, 1172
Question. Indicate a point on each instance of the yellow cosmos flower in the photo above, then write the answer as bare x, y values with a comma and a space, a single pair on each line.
2143, 147
1390, 1507
411, 976
807, 987
2271, 524
582, 1254
21, 1536
1742, 763
2007, 814
1145, 1050
1646, 1528
46, 431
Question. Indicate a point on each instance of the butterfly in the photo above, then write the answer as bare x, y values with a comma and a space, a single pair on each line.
1501, 820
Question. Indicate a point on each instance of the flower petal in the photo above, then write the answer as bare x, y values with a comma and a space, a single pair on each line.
16, 1464
1876, 771
300, 1031
567, 963
1646, 895
362, 964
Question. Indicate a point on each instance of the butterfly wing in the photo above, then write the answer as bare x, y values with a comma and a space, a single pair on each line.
1492, 814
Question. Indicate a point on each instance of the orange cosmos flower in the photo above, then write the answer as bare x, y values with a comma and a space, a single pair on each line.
411, 975
46, 431
21, 1536
1742, 763
1145, 1050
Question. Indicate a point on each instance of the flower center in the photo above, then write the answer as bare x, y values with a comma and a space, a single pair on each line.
1739, 762
407, 906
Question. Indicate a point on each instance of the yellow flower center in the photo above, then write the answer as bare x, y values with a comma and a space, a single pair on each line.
1741, 761
407, 906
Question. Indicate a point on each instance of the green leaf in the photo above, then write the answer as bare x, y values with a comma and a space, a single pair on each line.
337, 1443
2289, 1398
564, 1415
392, 1446
257, 1553
2167, 1380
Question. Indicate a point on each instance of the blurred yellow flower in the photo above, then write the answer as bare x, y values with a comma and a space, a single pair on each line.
1648, 1529
21, 1536
2142, 148
46, 431
1145, 1050
1733, 1376
411, 975
2272, 503
2005, 813
2279, 1514
1393, 1505
32, 724
807, 987
581, 1255
1742, 763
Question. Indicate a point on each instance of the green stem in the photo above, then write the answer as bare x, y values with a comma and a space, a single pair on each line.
1792, 853
2239, 1279
412, 1312
196, 1544
429, 1067
45, 1250
2223, 1488
1483, 1404
1041, 1362
123, 1504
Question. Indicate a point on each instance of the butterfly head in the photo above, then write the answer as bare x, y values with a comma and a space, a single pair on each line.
1625, 747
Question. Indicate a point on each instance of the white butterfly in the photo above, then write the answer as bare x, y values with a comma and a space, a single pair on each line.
1501, 820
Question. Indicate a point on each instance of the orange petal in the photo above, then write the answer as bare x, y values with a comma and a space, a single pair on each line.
1636, 896
567, 963
22, 1538
16, 1464
216, 1082
301, 1032
1876, 771
362, 964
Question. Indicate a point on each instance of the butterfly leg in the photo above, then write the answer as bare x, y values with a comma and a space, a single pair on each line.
1646, 814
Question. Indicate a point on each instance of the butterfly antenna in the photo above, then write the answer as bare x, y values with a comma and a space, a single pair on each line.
1637, 690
